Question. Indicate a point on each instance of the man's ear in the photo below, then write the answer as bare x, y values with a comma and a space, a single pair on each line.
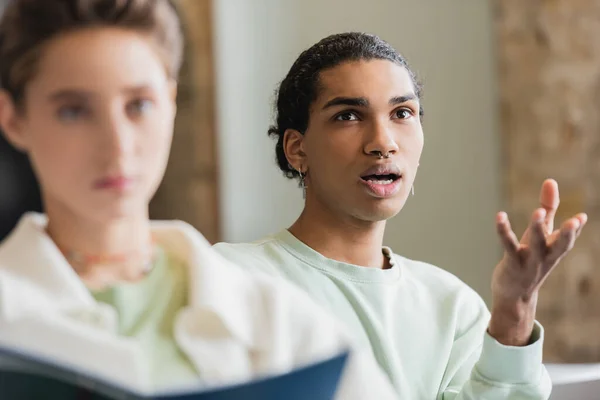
293, 146
10, 123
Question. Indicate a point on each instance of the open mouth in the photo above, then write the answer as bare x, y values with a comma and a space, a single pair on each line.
385, 179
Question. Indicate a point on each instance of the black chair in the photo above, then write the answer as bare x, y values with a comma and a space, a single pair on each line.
19, 189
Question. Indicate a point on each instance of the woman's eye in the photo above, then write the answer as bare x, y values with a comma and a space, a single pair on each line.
71, 113
140, 106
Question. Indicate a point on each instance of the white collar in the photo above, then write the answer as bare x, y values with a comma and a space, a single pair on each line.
216, 285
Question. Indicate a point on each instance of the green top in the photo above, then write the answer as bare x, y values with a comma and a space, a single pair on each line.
426, 328
146, 311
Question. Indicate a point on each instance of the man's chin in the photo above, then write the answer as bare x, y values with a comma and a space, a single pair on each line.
382, 211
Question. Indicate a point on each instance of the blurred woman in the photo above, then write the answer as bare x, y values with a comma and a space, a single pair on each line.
88, 91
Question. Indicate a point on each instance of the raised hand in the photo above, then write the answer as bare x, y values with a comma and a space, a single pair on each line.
526, 265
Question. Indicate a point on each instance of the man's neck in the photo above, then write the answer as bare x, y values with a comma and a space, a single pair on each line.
347, 240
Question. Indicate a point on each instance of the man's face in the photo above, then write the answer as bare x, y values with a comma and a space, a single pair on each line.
364, 110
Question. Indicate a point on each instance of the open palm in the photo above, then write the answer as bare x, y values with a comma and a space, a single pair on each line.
528, 262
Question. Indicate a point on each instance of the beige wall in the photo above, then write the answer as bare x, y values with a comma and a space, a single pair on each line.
450, 221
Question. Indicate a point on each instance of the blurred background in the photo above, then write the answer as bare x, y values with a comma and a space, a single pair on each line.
511, 92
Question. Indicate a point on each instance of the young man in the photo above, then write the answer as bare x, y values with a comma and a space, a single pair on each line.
349, 127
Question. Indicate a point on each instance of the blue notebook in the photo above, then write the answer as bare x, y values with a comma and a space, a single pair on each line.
317, 381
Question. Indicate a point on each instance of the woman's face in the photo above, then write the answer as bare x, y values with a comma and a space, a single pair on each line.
97, 122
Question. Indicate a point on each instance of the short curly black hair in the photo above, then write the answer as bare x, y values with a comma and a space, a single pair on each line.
300, 87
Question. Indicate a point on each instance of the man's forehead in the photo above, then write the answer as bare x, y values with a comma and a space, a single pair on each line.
365, 79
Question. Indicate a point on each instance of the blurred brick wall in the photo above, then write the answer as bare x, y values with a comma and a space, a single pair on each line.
190, 189
549, 81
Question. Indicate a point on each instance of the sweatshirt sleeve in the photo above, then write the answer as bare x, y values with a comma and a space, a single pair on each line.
482, 368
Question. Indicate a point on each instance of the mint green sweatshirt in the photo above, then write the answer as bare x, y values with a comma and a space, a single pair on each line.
427, 329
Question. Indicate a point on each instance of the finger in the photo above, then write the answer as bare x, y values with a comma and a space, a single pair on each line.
537, 239
507, 236
549, 201
550, 240
525, 237
564, 243
583, 218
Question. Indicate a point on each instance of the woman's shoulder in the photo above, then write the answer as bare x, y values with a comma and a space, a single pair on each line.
22, 242
228, 278
272, 312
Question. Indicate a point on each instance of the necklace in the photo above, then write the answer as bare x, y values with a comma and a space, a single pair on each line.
81, 261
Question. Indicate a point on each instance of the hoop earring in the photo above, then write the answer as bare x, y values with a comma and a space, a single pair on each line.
302, 182
412, 189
